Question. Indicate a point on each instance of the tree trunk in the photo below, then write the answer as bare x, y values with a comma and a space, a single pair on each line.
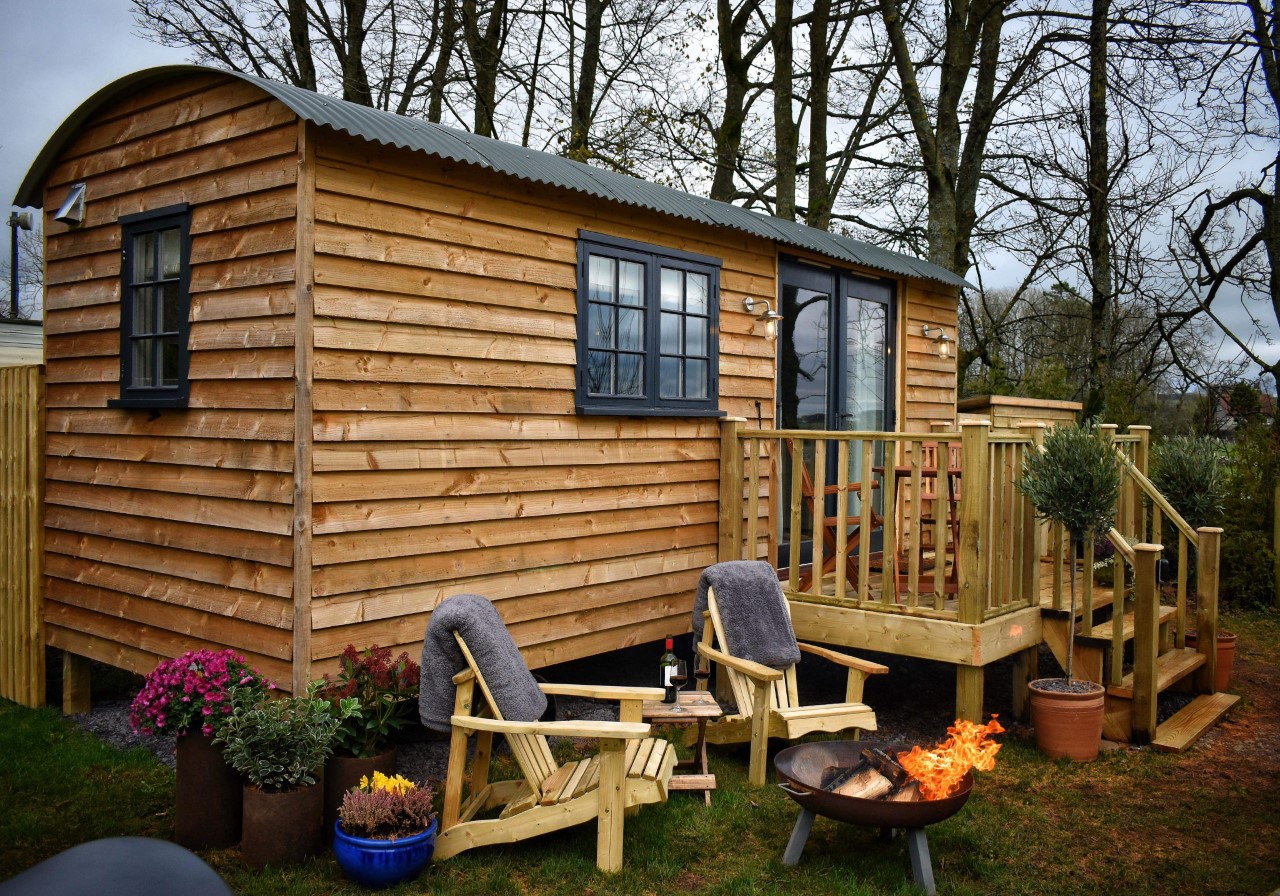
584, 92
818, 211
784, 127
300, 41
355, 78
1102, 287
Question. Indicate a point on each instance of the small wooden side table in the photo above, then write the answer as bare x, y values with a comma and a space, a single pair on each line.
695, 706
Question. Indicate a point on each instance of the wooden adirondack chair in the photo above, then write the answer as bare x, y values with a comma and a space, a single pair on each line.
766, 698
630, 769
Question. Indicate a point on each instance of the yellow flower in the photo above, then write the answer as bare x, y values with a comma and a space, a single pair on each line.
397, 785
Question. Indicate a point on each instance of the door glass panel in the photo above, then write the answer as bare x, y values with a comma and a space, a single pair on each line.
803, 361
864, 392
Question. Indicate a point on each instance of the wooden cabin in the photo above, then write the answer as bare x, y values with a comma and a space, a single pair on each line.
312, 368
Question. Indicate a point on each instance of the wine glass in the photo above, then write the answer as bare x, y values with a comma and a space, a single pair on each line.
679, 677
702, 673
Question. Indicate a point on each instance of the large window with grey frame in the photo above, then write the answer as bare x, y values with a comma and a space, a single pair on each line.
648, 329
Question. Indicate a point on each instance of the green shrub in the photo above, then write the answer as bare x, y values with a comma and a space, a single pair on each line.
1189, 471
279, 745
1247, 576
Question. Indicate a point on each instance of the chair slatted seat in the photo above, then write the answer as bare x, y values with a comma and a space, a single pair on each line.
630, 770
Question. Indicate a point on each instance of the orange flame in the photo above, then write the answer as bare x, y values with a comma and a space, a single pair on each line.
940, 770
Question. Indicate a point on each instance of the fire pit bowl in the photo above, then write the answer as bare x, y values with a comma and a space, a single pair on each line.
801, 769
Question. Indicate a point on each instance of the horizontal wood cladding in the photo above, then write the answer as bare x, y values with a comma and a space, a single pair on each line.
170, 531
448, 454
930, 387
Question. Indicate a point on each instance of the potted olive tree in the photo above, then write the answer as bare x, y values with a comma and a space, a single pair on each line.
1073, 480
279, 748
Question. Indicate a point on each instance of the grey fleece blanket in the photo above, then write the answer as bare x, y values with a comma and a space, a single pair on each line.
752, 611
513, 687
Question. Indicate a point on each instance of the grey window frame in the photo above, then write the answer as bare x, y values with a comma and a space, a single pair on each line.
653, 258
154, 396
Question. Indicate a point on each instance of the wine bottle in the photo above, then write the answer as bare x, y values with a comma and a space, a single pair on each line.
666, 667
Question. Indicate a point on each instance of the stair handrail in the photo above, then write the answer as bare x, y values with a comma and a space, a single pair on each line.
1150, 490
1121, 544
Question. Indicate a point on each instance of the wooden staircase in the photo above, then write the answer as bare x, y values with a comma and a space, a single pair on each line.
1098, 647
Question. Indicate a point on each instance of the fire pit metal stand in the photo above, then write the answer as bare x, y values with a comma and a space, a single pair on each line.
801, 770
917, 847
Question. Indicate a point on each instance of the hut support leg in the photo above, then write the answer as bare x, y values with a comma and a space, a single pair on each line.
969, 693
75, 684
799, 837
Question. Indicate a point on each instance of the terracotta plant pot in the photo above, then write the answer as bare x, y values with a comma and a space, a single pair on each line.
1068, 725
282, 828
209, 794
1226, 657
341, 773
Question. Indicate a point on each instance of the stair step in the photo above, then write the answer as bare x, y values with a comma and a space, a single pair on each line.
1102, 631
1191, 722
1102, 598
1173, 666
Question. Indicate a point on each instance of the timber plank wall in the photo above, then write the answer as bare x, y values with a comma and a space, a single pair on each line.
448, 454
172, 532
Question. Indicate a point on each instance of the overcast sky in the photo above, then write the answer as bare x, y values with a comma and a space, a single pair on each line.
55, 54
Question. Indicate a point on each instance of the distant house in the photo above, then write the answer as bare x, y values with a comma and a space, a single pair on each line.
1231, 407
21, 342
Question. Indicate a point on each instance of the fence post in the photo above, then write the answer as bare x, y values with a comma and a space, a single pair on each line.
1142, 460
730, 523
1146, 634
1207, 606
973, 550
1275, 544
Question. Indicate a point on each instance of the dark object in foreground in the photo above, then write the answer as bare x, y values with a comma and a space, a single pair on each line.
119, 866
801, 770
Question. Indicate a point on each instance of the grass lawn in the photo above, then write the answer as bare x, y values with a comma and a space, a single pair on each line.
1135, 822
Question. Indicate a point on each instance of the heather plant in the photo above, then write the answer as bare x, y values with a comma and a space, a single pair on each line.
386, 808
387, 691
279, 745
194, 689
1074, 480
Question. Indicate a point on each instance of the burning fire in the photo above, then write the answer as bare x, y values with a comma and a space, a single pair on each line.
939, 770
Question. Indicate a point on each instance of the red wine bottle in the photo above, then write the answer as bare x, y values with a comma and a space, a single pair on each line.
666, 668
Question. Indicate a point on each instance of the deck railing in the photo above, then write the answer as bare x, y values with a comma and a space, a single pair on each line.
954, 540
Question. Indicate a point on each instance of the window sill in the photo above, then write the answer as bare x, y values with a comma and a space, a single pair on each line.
632, 411
149, 402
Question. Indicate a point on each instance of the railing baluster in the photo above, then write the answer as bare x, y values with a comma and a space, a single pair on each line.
818, 539
889, 553
842, 513
797, 530
916, 528
866, 505
753, 500
1183, 554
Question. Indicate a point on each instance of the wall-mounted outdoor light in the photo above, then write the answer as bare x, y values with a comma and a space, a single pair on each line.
72, 211
939, 335
768, 315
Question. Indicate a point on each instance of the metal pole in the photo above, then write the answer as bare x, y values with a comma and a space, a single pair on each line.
13, 265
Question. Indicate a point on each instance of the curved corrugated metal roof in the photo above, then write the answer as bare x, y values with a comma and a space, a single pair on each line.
417, 135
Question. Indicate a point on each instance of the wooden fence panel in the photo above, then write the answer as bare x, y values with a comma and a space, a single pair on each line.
21, 534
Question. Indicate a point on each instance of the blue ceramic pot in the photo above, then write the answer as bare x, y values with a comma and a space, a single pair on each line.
383, 863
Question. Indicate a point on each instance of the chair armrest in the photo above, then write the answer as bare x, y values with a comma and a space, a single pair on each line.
584, 728
465, 675
601, 692
842, 659
754, 671
850, 487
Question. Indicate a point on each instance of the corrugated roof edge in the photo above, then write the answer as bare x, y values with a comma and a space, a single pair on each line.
515, 161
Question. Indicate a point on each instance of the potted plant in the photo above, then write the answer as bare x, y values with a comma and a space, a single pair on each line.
1073, 480
190, 697
387, 691
279, 747
386, 831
